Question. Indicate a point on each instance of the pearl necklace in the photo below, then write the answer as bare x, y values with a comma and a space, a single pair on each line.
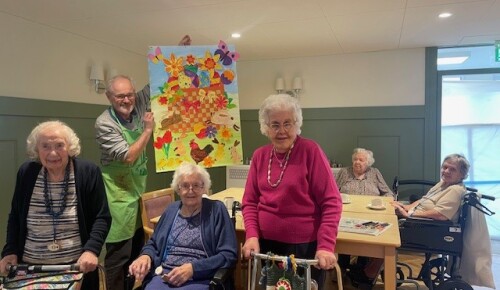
273, 152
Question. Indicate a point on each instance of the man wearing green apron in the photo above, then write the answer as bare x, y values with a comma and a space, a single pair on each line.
122, 132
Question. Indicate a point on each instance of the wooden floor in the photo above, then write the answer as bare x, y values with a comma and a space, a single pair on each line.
415, 262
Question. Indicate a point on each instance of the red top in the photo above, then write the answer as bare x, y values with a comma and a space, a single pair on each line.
306, 205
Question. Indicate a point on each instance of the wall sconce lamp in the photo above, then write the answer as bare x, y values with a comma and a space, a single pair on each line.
296, 87
97, 78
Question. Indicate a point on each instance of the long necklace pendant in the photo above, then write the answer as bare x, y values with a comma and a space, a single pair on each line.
53, 246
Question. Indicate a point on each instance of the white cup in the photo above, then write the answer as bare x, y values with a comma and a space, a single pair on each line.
345, 197
376, 202
228, 201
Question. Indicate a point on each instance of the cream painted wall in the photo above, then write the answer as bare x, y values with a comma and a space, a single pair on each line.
387, 78
41, 62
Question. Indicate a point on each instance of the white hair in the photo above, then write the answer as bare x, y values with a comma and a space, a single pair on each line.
281, 102
369, 155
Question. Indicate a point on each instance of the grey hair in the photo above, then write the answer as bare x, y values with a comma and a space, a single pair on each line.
281, 102
187, 168
369, 155
111, 82
463, 163
68, 134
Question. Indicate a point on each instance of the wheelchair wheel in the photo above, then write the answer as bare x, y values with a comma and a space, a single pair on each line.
434, 272
454, 284
400, 276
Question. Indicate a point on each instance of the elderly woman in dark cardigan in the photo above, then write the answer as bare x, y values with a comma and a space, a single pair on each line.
194, 237
59, 212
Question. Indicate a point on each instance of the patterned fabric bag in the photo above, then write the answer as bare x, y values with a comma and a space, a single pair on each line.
285, 276
70, 280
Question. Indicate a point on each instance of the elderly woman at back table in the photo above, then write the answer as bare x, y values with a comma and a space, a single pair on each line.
59, 212
194, 237
361, 177
291, 203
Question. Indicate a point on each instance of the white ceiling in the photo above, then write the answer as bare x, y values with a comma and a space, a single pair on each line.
270, 28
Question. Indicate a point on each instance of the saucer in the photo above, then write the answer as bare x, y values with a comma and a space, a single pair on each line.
346, 201
379, 207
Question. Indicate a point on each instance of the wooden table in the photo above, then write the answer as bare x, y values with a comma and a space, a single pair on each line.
381, 246
359, 203
236, 193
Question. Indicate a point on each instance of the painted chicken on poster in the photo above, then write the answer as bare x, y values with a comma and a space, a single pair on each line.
194, 98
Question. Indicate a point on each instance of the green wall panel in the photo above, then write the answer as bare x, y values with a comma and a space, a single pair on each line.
395, 134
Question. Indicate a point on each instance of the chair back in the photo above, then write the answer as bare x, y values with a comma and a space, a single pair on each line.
153, 204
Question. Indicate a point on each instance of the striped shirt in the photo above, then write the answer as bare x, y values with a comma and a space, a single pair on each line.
42, 226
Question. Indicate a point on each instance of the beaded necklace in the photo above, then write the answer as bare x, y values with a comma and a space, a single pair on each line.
280, 161
49, 206
273, 152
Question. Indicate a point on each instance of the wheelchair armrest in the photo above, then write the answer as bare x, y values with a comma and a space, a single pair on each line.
425, 221
220, 277
129, 282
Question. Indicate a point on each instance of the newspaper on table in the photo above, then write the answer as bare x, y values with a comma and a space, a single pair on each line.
361, 226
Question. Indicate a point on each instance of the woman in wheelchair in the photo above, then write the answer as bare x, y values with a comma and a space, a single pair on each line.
442, 202
194, 237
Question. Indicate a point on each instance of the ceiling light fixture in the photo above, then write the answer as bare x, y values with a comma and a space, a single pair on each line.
445, 15
235, 35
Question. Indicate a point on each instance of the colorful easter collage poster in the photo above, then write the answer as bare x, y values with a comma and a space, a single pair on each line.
194, 98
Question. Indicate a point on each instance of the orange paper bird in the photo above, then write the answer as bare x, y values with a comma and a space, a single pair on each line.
199, 154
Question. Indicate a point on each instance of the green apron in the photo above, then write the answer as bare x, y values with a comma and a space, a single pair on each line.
124, 185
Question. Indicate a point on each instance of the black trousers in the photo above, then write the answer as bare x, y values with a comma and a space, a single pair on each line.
118, 258
345, 260
301, 251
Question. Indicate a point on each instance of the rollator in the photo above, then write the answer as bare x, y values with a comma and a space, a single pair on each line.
284, 272
24, 276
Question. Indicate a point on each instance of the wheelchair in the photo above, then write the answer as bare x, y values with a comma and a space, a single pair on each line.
439, 241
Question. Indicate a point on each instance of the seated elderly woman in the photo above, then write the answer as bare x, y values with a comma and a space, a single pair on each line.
194, 237
361, 177
442, 202
59, 212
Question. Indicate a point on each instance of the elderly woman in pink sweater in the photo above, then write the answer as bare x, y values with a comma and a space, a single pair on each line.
291, 203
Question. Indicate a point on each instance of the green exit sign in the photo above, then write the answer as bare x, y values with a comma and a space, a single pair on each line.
497, 50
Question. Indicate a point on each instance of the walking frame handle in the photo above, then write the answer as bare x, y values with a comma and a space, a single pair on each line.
31, 269
25, 269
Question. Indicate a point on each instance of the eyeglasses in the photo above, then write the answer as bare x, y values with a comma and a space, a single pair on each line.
196, 187
122, 97
286, 126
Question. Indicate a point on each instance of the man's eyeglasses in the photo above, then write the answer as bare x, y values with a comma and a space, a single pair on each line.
196, 187
277, 126
122, 97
